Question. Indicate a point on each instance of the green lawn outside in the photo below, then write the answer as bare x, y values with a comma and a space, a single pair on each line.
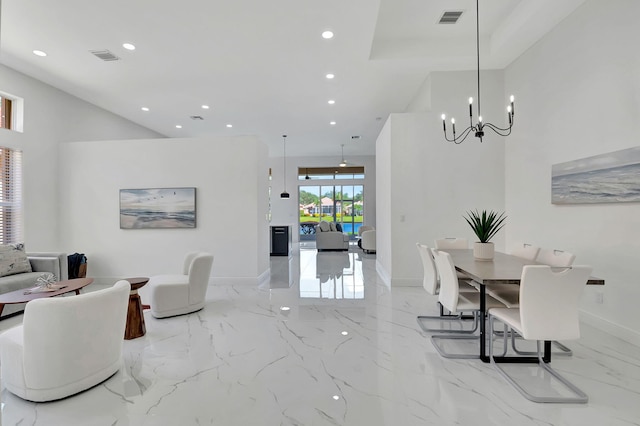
328, 218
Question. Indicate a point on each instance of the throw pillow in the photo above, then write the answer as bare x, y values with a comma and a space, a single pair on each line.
13, 260
333, 226
324, 226
338, 227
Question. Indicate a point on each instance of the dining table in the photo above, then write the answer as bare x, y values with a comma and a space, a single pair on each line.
503, 269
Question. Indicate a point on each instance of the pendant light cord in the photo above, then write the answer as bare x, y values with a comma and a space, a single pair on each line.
284, 159
478, 50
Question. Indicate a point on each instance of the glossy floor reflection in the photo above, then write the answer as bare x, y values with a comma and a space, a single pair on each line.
326, 343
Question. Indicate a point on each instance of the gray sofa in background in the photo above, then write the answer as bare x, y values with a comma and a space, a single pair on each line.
41, 263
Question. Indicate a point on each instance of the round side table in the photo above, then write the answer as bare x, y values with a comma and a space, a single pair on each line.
135, 319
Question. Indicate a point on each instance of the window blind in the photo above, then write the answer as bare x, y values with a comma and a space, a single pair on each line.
10, 196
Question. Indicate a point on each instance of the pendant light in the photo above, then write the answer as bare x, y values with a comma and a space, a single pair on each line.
343, 163
307, 177
284, 194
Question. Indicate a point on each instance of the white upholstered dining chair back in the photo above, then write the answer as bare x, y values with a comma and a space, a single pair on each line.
549, 301
452, 243
526, 251
430, 279
449, 290
557, 258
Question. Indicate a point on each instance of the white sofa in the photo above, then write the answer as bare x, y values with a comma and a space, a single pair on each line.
65, 344
40, 263
329, 238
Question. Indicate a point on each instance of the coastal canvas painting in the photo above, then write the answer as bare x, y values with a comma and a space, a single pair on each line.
606, 178
158, 208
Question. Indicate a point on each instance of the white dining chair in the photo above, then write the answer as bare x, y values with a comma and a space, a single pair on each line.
451, 298
451, 243
553, 257
455, 243
510, 294
526, 251
430, 282
542, 318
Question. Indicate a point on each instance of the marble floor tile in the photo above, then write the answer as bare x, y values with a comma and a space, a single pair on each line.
327, 343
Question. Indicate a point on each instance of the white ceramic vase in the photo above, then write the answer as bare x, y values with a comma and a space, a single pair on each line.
483, 251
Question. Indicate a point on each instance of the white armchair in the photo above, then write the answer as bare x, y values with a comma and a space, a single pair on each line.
65, 344
171, 295
369, 241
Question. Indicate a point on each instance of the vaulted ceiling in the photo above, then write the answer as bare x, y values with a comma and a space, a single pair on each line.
260, 65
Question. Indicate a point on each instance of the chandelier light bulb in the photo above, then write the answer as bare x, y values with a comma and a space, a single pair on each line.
470, 101
509, 109
512, 98
453, 121
480, 119
444, 117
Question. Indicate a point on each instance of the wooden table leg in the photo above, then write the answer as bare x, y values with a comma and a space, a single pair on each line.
135, 318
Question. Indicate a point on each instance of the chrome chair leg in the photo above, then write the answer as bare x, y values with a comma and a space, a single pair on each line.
564, 351
459, 318
580, 398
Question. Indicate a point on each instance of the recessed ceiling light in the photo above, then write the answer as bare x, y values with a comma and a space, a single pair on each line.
129, 46
330, 76
229, 125
327, 34
344, 333
178, 126
331, 102
39, 53
333, 123
284, 308
145, 109
336, 397
205, 106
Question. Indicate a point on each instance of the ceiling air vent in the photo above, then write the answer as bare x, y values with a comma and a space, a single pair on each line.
196, 117
450, 17
105, 55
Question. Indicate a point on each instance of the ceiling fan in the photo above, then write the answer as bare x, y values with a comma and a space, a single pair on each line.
344, 163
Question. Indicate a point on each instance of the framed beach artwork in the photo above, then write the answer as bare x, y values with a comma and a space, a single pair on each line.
157, 208
606, 178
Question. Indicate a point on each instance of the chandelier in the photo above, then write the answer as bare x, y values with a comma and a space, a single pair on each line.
479, 128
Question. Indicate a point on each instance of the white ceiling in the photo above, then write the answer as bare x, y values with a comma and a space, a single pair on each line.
261, 65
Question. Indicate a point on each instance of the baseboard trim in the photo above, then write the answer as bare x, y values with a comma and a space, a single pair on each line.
213, 281
383, 274
264, 277
612, 328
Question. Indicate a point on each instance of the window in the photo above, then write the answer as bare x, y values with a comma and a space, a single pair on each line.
330, 173
5, 113
10, 196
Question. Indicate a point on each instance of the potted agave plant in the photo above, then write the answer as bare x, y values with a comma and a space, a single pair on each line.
485, 225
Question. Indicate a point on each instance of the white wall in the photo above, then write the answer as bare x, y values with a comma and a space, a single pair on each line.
578, 95
431, 183
286, 212
52, 116
231, 180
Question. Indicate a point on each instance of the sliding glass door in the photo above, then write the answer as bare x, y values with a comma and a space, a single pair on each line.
334, 203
